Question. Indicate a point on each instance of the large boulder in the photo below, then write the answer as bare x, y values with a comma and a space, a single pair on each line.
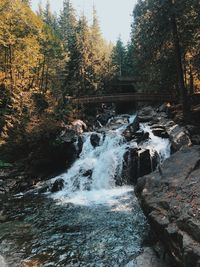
146, 114
159, 131
170, 198
179, 137
137, 163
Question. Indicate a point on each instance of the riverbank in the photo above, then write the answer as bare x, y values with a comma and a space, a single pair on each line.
170, 197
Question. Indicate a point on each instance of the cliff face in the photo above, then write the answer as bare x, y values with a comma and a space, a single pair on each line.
170, 198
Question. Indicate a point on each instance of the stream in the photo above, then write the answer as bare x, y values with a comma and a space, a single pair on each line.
91, 221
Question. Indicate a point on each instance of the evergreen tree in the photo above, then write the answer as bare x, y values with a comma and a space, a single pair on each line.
118, 57
68, 24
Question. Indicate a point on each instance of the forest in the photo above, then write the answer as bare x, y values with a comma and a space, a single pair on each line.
44, 58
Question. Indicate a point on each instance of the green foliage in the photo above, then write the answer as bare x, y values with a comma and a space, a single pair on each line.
119, 58
152, 48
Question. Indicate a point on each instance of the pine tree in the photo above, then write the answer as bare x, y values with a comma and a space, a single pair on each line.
68, 24
118, 57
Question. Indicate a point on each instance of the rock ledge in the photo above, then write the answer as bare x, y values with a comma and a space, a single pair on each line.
170, 199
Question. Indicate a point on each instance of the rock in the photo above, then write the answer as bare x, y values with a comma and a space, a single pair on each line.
149, 258
79, 126
87, 173
118, 120
141, 136
160, 132
195, 139
164, 108
147, 163
68, 135
57, 185
178, 137
146, 114
192, 129
95, 139
104, 118
79, 145
137, 162
129, 132
170, 201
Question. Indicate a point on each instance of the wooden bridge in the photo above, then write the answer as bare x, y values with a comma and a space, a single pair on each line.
115, 98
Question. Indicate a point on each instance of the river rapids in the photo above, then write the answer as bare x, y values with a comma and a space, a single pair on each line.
91, 222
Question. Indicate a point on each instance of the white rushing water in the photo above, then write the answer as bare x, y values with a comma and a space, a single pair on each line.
161, 145
92, 178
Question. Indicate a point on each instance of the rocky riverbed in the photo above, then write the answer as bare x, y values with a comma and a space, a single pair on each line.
125, 150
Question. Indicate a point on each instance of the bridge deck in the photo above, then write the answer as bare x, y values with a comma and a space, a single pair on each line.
139, 97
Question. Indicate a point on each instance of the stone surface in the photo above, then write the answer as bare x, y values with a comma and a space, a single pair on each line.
149, 258
160, 133
95, 139
170, 198
137, 163
129, 132
179, 137
146, 114
57, 185
104, 118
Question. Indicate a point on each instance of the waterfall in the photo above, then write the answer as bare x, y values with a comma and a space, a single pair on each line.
156, 144
92, 178
93, 221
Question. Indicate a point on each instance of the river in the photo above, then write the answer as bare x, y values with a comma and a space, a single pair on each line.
92, 221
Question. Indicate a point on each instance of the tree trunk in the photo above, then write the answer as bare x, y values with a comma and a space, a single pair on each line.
180, 74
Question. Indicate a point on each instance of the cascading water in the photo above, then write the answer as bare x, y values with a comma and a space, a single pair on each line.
96, 170
94, 174
161, 145
91, 222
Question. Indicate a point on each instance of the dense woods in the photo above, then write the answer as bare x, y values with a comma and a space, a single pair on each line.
46, 57
43, 59
163, 53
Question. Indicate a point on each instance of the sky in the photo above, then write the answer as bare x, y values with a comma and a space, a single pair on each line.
114, 15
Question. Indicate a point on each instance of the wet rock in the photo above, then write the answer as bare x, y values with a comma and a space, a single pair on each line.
129, 132
195, 139
160, 132
104, 118
87, 173
141, 136
95, 139
146, 114
43, 189
170, 200
130, 167
118, 120
57, 185
179, 137
147, 163
137, 163
149, 258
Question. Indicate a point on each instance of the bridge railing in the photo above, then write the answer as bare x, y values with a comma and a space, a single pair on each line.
143, 97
